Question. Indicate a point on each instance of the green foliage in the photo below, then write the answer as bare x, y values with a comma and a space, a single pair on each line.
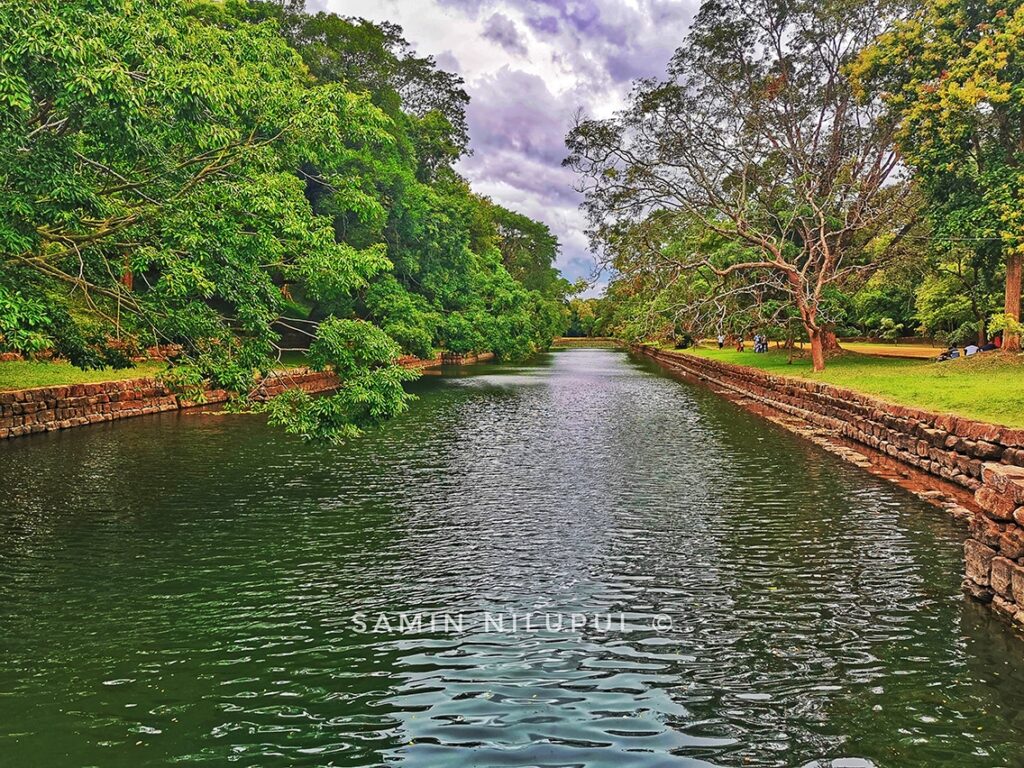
748, 182
950, 75
209, 174
747, 190
24, 323
1003, 322
365, 358
889, 329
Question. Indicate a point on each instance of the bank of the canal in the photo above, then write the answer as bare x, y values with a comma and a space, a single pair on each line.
935, 455
30, 411
177, 588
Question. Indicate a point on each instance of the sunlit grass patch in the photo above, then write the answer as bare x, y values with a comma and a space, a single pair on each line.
986, 386
25, 374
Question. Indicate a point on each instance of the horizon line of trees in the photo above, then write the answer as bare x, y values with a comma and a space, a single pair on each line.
812, 168
244, 179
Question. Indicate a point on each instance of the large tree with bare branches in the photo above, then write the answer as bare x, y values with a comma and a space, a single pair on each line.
758, 136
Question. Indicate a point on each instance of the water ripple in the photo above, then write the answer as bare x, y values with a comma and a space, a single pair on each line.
188, 589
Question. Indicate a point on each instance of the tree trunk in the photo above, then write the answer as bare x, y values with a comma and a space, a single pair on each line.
127, 278
817, 349
1011, 341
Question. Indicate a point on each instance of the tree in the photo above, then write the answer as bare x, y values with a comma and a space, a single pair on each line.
758, 136
950, 75
149, 154
376, 58
202, 173
528, 251
956, 295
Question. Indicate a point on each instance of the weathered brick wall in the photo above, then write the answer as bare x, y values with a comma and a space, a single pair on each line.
984, 458
45, 409
453, 358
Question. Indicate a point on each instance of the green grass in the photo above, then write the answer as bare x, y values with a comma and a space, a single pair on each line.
987, 387
25, 374
586, 341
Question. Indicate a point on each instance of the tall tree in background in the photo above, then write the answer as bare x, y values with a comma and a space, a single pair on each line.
376, 58
757, 135
952, 74
528, 251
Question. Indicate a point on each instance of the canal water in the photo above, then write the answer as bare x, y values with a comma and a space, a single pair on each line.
204, 590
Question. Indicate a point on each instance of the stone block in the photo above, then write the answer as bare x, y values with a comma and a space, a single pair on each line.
1012, 437
1017, 584
978, 562
995, 503
1001, 577
1006, 478
987, 451
1011, 543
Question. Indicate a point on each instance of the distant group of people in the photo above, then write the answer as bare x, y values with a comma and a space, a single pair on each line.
760, 342
972, 349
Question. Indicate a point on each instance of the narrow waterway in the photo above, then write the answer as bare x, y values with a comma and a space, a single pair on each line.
190, 589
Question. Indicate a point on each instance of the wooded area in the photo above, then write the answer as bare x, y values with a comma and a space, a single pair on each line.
812, 169
238, 180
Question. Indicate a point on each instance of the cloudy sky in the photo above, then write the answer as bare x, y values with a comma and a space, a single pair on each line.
529, 65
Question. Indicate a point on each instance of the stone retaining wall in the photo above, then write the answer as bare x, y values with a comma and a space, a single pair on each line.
46, 409
944, 445
994, 554
985, 459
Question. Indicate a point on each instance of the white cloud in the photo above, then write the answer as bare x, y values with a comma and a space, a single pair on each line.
529, 65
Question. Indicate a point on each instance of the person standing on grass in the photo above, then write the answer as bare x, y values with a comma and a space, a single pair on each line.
721, 341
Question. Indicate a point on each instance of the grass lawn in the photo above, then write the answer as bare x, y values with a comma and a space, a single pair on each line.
988, 386
24, 374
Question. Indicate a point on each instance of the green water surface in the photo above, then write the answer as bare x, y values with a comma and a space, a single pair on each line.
202, 590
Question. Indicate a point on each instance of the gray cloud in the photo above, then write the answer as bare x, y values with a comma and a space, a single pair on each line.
503, 31
565, 55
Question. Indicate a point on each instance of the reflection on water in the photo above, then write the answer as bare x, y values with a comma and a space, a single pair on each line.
189, 589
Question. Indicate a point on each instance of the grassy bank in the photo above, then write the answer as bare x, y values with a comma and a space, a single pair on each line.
987, 387
587, 341
25, 374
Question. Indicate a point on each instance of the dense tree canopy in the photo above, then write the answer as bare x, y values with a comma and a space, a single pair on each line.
951, 76
240, 179
815, 168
